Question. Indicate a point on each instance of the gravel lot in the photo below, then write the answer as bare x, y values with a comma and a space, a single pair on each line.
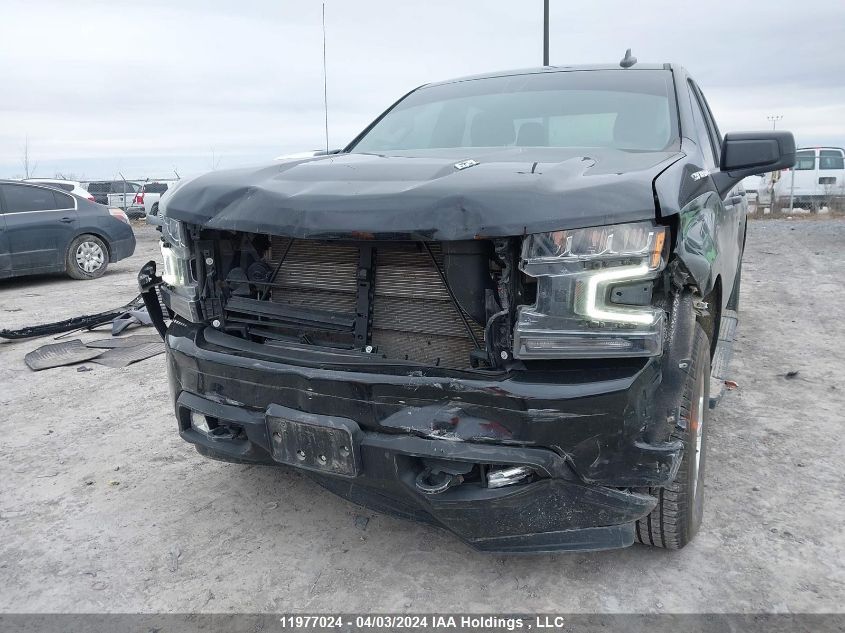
104, 508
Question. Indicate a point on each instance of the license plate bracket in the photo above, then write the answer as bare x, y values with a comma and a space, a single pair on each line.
321, 443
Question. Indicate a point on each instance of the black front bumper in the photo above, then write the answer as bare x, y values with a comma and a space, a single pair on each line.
590, 434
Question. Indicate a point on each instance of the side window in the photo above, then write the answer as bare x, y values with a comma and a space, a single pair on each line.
805, 160
831, 159
20, 198
715, 135
63, 201
702, 135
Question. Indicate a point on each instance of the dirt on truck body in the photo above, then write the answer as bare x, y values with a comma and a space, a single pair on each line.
497, 310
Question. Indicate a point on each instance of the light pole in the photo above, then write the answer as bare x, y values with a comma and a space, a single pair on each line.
774, 118
545, 32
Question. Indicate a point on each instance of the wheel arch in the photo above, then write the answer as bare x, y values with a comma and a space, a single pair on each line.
98, 234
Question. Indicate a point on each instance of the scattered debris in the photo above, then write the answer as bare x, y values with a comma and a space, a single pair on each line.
361, 521
59, 354
129, 318
110, 353
124, 341
791, 374
731, 385
174, 555
123, 356
84, 368
114, 482
86, 321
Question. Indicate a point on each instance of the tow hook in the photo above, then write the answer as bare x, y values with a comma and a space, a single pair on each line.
438, 475
433, 483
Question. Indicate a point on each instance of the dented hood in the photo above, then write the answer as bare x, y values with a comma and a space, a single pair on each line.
422, 195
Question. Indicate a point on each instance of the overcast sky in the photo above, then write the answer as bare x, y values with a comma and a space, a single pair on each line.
146, 87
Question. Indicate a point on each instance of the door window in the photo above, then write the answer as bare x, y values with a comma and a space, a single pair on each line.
805, 161
702, 135
831, 159
21, 198
712, 128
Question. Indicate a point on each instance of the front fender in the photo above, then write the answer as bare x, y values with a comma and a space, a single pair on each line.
697, 246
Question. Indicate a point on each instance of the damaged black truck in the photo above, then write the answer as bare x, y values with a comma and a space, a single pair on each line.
497, 310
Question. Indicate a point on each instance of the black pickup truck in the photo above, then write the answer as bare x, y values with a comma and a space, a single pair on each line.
497, 310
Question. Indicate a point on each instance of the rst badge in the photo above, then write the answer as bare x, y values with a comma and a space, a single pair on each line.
464, 164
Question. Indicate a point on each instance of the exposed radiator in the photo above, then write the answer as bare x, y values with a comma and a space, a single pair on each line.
413, 316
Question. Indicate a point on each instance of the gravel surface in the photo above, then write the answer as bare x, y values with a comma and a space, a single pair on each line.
104, 508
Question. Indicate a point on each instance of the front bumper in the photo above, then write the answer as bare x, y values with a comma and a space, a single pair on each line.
594, 434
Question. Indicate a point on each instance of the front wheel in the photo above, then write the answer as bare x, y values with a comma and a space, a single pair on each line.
680, 505
87, 257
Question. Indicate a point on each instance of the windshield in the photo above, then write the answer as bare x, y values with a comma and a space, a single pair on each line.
623, 109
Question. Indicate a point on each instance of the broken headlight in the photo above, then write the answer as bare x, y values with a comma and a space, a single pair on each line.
176, 253
593, 293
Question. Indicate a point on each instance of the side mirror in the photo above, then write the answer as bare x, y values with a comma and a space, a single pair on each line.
752, 154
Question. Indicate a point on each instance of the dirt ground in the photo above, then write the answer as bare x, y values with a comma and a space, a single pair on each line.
104, 509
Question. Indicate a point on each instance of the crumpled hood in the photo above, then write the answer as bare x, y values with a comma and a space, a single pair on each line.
421, 195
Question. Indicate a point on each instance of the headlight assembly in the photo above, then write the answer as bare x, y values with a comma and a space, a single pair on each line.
593, 293
176, 253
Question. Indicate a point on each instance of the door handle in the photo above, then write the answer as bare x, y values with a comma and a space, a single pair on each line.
66, 220
735, 199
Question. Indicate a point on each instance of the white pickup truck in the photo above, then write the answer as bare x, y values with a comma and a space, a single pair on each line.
116, 193
149, 195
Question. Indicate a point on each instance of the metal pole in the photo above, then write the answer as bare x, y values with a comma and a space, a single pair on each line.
792, 190
545, 32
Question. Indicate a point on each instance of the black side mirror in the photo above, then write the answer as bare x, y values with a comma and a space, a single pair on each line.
751, 154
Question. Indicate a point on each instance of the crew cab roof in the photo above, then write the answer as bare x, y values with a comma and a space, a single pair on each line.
553, 69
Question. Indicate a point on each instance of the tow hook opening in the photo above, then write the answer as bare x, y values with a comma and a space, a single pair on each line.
437, 476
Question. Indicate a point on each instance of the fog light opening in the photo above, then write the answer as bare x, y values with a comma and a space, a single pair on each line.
501, 477
200, 422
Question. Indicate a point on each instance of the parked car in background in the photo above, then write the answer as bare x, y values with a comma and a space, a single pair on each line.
71, 186
117, 193
45, 230
819, 179
149, 196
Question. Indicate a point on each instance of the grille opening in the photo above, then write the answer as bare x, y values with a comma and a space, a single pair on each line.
412, 316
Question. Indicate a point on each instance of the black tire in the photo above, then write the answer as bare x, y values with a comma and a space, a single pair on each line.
154, 209
87, 257
680, 505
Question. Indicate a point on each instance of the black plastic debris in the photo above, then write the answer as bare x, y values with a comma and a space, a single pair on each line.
86, 321
123, 356
131, 317
60, 354
124, 341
